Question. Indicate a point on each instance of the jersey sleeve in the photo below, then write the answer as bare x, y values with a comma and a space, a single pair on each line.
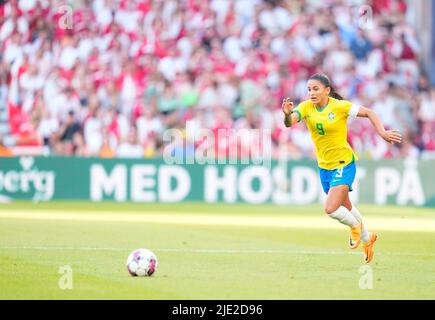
301, 110
348, 108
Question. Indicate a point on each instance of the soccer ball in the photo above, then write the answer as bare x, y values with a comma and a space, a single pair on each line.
142, 263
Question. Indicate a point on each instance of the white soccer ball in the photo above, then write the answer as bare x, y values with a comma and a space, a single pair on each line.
142, 263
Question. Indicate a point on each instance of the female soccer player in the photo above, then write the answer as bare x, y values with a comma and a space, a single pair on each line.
326, 114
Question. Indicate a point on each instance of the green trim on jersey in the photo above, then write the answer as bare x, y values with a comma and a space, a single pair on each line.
299, 114
321, 109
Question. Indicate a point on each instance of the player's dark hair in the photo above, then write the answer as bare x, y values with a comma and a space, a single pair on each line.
323, 78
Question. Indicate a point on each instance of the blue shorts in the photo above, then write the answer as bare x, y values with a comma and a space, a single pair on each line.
344, 175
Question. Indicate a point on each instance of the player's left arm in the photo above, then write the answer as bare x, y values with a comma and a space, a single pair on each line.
391, 136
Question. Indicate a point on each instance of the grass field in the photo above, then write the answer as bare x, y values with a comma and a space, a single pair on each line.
211, 252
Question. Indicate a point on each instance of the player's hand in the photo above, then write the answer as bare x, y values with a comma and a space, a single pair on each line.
392, 136
287, 106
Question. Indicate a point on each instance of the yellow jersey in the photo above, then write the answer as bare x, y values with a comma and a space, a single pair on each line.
328, 129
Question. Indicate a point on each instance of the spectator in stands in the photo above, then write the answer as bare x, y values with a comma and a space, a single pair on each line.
130, 148
93, 135
48, 126
5, 151
360, 45
64, 137
80, 149
106, 150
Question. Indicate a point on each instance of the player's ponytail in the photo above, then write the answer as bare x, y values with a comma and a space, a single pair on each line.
323, 78
335, 94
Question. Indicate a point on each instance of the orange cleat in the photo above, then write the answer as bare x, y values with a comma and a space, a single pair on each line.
355, 236
368, 247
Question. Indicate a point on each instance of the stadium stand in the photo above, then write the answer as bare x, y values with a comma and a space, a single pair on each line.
109, 79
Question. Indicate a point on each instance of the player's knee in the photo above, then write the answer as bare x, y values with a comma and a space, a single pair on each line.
330, 209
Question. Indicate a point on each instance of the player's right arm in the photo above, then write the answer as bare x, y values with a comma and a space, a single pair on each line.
290, 117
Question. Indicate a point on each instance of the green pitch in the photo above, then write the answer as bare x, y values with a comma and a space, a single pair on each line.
212, 252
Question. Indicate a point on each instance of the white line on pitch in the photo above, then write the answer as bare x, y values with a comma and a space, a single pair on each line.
290, 222
217, 251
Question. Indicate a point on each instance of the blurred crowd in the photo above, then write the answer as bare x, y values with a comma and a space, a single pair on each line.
106, 78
